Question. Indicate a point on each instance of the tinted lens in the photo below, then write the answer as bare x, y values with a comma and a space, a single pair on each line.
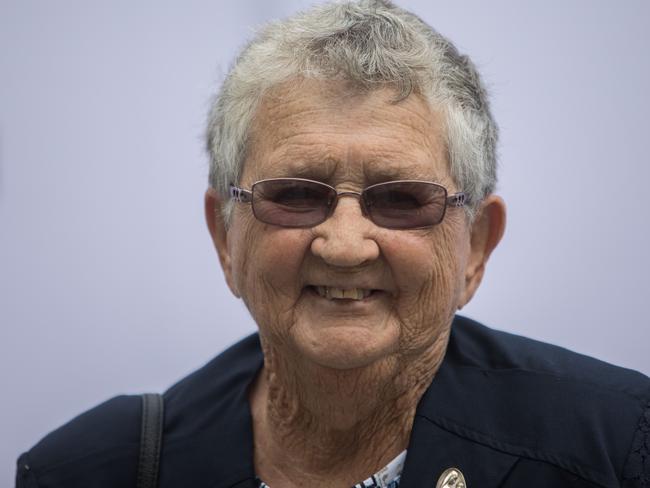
292, 202
405, 204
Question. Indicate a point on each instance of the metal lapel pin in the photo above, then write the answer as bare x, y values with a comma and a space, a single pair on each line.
451, 478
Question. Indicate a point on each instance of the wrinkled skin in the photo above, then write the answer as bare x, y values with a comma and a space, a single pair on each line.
345, 371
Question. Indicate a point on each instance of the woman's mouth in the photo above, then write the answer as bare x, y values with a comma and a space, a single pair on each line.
335, 293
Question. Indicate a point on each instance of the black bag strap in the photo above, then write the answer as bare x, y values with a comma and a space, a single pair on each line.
151, 433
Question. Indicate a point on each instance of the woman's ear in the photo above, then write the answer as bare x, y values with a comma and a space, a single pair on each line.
486, 232
219, 233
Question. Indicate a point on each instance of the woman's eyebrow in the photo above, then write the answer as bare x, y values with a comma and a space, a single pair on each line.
382, 171
310, 167
323, 166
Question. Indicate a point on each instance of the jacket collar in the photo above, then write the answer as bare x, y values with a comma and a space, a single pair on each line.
437, 443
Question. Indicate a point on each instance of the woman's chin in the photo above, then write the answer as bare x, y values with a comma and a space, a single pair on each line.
347, 346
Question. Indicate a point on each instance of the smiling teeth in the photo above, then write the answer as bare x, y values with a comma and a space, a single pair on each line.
332, 293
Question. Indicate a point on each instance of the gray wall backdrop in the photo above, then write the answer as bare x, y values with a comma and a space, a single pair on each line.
108, 281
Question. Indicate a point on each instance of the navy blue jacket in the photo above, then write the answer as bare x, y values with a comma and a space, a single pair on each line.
507, 411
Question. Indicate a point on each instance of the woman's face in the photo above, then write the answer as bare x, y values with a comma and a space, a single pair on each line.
347, 293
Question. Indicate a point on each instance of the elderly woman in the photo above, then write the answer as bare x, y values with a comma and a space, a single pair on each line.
351, 205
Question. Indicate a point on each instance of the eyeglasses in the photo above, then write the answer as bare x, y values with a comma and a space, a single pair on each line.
297, 202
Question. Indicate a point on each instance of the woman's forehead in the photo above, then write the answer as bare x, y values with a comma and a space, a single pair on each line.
303, 131
323, 101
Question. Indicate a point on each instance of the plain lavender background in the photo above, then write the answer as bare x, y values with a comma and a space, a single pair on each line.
108, 280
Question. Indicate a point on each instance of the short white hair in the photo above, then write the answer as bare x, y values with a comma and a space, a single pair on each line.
371, 43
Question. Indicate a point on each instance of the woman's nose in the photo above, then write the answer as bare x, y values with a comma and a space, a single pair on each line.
347, 237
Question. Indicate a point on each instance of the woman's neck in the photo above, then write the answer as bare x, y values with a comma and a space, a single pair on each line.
316, 426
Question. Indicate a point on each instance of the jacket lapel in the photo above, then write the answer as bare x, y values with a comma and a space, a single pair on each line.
433, 449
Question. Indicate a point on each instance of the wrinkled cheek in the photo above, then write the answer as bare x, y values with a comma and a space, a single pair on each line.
269, 283
428, 311
428, 300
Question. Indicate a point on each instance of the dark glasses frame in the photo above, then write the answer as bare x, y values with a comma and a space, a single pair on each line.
242, 195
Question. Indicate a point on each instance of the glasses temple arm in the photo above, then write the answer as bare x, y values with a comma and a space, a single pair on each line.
457, 200
240, 195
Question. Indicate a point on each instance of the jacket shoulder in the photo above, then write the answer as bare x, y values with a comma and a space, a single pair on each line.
217, 387
100, 447
101, 444
208, 431
223, 374
541, 402
474, 344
